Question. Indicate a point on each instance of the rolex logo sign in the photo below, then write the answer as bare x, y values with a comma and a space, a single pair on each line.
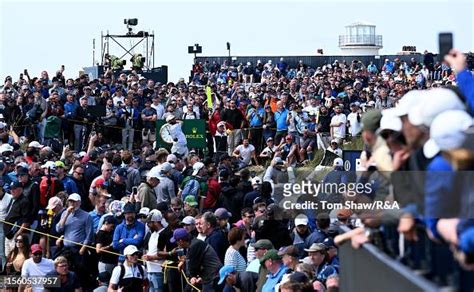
194, 134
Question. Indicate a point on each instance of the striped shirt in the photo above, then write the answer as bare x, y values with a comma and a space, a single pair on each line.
235, 259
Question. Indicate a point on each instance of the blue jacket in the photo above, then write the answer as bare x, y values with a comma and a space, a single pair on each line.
465, 81
131, 235
438, 192
69, 185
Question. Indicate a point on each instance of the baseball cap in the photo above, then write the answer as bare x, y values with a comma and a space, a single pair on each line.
21, 171
122, 172
6, 148
155, 216
188, 220
408, 101
53, 202
36, 248
447, 138
154, 172
256, 181
197, 167
130, 250
144, 211
35, 144
129, 208
301, 219
338, 162
74, 197
224, 272
172, 159
263, 244
165, 167
222, 213
179, 234
371, 120
390, 121
329, 243
49, 164
191, 201
271, 254
290, 250
15, 184
60, 164
437, 100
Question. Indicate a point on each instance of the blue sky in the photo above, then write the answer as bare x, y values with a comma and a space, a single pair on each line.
43, 35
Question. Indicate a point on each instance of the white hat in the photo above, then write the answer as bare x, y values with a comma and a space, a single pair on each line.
301, 219
154, 172
35, 144
2, 124
256, 181
74, 197
169, 118
221, 123
130, 250
6, 148
451, 137
49, 164
188, 220
144, 211
390, 121
165, 167
436, 101
408, 101
171, 158
197, 167
338, 162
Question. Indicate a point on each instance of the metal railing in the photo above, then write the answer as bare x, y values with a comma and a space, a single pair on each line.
360, 40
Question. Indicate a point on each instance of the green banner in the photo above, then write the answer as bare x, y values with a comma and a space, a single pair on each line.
194, 130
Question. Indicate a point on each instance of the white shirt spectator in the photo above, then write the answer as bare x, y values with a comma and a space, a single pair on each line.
32, 269
154, 266
355, 126
246, 153
160, 110
4, 202
339, 132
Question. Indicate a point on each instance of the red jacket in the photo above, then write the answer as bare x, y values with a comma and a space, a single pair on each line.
213, 193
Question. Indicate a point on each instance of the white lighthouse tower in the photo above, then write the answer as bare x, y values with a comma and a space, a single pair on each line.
360, 40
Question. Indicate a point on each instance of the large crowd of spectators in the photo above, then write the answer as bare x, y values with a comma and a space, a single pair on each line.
88, 197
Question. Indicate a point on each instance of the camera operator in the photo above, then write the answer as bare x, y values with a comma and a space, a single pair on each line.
127, 116
82, 117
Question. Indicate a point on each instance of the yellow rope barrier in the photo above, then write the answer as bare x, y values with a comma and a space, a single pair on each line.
165, 265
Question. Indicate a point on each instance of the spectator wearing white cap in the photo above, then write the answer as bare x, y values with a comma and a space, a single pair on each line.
334, 147
76, 226
251, 197
300, 233
146, 190
131, 274
155, 253
165, 190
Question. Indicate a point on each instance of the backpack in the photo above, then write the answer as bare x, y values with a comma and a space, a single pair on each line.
49, 186
191, 188
122, 273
